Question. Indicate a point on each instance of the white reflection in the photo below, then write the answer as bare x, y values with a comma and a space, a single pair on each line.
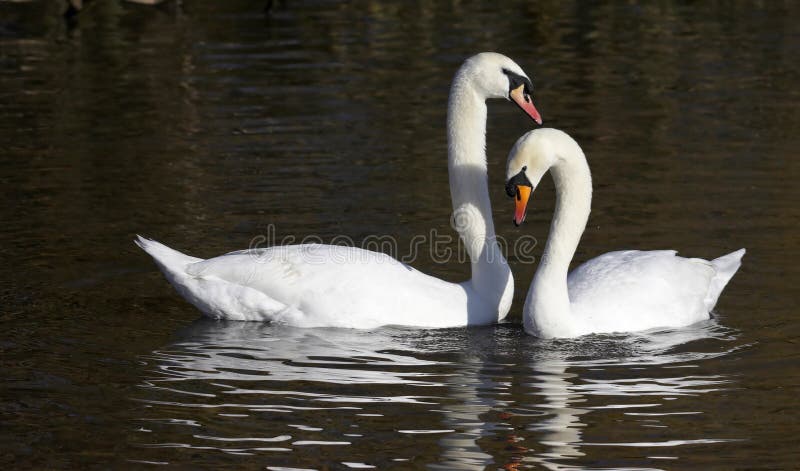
257, 362
497, 396
561, 432
228, 376
479, 387
567, 379
242, 351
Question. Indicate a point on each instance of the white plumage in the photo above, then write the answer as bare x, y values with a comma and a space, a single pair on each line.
623, 291
313, 285
334, 286
637, 290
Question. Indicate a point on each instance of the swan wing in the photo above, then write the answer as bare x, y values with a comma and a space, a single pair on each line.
637, 290
318, 285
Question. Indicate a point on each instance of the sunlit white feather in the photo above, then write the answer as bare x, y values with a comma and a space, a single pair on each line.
334, 286
623, 291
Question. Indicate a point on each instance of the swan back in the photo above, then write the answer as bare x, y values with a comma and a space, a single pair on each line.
635, 290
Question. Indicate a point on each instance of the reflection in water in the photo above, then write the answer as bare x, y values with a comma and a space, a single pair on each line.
464, 399
568, 397
256, 351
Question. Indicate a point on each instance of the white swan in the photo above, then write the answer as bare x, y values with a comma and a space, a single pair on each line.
622, 291
335, 286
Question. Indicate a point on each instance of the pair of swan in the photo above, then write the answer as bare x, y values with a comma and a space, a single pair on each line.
333, 286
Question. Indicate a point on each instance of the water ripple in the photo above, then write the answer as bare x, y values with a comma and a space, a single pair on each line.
468, 396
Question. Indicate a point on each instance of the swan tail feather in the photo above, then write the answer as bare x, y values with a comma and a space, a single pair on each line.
170, 261
215, 297
725, 267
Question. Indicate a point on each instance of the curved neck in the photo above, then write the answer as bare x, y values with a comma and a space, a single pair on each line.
469, 189
547, 308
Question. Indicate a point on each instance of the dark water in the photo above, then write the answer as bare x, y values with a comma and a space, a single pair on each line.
206, 123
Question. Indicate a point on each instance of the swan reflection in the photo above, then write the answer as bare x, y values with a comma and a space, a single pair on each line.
458, 398
636, 374
237, 351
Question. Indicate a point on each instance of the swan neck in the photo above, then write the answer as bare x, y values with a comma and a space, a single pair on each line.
548, 306
573, 203
469, 188
466, 125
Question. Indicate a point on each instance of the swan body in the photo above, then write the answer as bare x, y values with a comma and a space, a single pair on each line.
624, 291
318, 285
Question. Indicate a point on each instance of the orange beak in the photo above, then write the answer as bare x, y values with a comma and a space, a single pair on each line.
524, 101
521, 203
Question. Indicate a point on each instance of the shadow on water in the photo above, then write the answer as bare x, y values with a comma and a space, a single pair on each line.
460, 398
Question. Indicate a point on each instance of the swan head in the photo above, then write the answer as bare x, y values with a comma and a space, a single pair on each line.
531, 157
496, 76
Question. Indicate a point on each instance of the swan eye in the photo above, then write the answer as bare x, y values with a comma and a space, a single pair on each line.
515, 80
519, 179
511, 189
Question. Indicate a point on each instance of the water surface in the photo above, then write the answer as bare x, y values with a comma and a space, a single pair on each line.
207, 124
